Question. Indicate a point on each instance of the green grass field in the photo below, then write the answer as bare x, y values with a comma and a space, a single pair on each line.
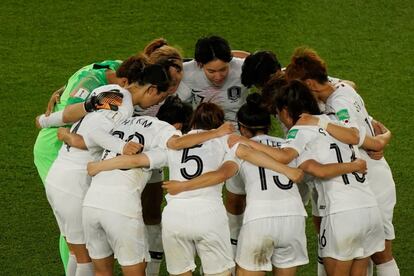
43, 42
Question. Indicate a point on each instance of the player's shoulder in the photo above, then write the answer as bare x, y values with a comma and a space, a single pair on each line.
302, 131
237, 62
272, 141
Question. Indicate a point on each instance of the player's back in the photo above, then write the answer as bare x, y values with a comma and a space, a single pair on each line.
340, 193
269, 193
191, 162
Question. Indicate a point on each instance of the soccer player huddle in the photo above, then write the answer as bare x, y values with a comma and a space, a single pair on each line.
117, 125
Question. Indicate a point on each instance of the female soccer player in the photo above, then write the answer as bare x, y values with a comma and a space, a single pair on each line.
214, 76
106, 201
77, 89
68, 179
213, 117
342, 194
348, 106
265, 226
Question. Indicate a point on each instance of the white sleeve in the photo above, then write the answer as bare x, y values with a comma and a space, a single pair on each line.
231, 156
184, 93
347, 114
305, 156
99, 133
297, 139
55, 119
158, 158
164, 134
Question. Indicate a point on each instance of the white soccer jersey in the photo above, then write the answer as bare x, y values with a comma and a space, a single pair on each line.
269, 194
95, 128
338, 194
196, 88
120, 190
191, 162
349, 107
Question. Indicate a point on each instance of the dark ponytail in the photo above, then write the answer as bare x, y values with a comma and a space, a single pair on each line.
298, 99
253, 115
258, 68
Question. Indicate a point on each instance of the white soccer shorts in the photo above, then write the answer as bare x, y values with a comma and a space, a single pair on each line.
272, 241
193, 226
110, 233
354, 234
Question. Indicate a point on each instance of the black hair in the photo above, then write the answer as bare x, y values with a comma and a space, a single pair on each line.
137, 70
253, 116
258, 68
298, 99
173, 111
270, 90
210, 48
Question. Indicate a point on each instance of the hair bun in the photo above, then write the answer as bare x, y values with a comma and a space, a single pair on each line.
254, 100
154, 45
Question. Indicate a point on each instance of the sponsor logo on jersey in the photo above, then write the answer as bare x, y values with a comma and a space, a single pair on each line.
234, 93
343, 115
292, 133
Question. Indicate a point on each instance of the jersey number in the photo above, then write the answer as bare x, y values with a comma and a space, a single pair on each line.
186, 157
276, 180
120, 135
345, 178
74, 131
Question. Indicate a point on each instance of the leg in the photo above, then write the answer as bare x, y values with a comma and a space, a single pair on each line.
335, 267
151, 199
291, 271
134, 270
84, 266
81, 253
359, 267
385, 262
104, 267
235, 205
243, 272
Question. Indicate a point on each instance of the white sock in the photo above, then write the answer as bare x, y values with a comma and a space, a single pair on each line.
235, 223
155, 248
85, 269
71, 267
370, 269
388, 269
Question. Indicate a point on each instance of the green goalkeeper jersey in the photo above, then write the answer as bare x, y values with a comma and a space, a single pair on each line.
77, 89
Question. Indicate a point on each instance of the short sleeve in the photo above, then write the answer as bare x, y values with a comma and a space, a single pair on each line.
158, 158
184, 92
164, 134
293, 140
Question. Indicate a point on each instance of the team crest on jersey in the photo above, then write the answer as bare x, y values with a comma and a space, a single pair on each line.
234, 93
292, 133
